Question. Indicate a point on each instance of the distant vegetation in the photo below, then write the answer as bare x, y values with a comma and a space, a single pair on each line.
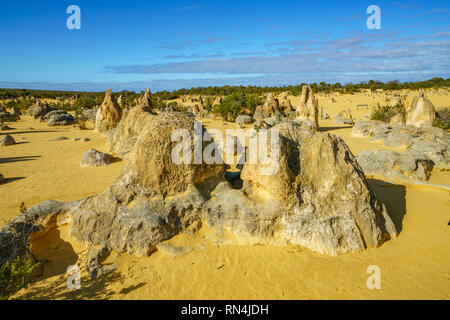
129, 96
232, 105
236, 97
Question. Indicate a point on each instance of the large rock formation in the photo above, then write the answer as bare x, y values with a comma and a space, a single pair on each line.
108, 114
421, 112
309, 107
131, 125
318, 197
153, 199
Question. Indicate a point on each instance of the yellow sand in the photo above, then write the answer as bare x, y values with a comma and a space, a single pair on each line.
416, 265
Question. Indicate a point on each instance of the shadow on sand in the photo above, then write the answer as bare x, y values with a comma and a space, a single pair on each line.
8, 180
18, 159
394, 198
325, 129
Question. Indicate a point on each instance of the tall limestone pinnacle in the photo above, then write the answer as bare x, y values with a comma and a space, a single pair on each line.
309, 106
421, 112
146, 101
108, 114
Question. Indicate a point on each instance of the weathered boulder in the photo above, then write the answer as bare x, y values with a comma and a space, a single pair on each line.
108, 114
88, 115
421, 112
95, 158
387, 163
7, 140
344, 117
6, 116
268, 109
243, 119
58, 118
309, 106
39, 110
4, 127
425, 148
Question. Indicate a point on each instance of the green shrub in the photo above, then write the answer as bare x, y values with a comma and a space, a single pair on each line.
442, 119
17, 275
231, 106
385, 113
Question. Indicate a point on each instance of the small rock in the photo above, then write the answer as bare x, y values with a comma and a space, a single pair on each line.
60, 139
7, 140
95, 158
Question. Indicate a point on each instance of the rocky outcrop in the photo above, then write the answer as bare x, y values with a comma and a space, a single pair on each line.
318, 197
424, 149
309, 107
421, 112
324, 200
108, 114
344, 117
16, 236
124, 137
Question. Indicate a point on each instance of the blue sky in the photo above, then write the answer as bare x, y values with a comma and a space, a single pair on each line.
165, 45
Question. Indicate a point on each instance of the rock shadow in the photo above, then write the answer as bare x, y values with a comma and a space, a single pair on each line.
325, 129
55, 253
18, 159
394, 198
8, 180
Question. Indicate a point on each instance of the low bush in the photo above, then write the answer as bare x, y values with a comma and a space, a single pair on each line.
385, 113
17, 275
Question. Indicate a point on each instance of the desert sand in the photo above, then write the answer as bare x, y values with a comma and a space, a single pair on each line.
416, 265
